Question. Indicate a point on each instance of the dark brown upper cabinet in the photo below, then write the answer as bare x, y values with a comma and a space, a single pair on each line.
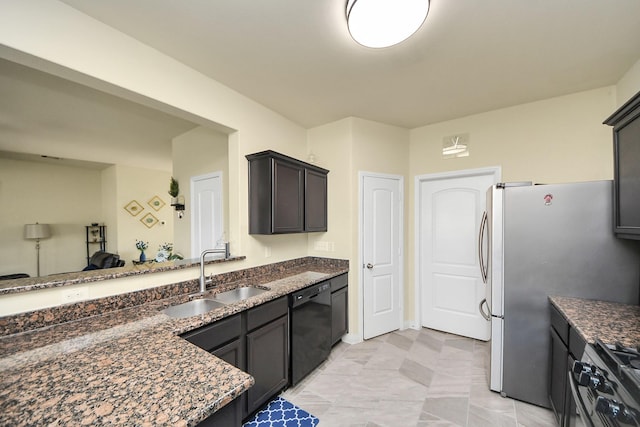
286, 195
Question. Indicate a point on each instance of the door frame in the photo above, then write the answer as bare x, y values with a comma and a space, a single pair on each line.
361, 176
497, 176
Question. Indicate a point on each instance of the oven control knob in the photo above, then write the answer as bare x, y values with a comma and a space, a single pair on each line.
614, 410
579, 367
595, 382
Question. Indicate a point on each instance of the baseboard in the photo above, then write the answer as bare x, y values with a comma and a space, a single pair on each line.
410, 324
352, 339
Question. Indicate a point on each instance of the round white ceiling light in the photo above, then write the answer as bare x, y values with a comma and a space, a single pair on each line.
384, 23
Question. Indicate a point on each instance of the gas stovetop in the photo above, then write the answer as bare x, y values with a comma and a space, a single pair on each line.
608, 380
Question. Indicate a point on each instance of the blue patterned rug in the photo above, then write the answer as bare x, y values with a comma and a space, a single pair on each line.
282, 413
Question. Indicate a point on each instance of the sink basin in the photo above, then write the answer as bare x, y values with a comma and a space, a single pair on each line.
192, 308
239, 294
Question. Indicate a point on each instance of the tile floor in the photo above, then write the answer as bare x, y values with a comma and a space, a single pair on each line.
410, 378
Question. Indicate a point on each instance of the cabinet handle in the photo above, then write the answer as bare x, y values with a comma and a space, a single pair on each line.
369, 266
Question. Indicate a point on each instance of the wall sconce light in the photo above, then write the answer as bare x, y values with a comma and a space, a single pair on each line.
178, 205
36, 232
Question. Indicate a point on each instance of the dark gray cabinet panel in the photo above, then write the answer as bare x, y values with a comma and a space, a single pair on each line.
558, 377
566, 346
223, 339
212, 336
265, 313
286, 195
339, 308
267, 361
315, 201
256, 341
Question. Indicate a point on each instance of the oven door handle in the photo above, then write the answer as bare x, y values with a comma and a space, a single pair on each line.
583, 413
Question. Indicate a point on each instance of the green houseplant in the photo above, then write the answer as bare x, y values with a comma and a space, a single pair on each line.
174, 188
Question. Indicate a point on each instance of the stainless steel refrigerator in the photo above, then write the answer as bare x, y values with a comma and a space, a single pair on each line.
541, 240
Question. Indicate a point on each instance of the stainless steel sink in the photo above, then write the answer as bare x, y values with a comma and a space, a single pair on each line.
239, 294
192, 308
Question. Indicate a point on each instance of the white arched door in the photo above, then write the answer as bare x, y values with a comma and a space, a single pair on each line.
448, 217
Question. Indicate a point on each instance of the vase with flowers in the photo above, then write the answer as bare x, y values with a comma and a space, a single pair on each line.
142, 246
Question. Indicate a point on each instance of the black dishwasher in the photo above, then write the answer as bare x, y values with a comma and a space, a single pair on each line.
310, 318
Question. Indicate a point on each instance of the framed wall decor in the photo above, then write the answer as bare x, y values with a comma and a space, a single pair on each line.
156, 203
149, 220
134, 208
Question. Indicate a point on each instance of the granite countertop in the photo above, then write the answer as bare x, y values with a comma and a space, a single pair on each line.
607, 321
128, 367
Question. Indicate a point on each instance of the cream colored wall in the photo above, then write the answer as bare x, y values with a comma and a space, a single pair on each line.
99, 56
346, 148
555, 140
110, 208
628, 85
560, 139
67, 198
142, 185
198, 152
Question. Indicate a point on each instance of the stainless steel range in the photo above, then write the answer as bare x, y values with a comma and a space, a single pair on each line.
606, 385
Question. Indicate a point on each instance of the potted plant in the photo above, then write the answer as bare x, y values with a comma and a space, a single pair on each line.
176, 202
174, 190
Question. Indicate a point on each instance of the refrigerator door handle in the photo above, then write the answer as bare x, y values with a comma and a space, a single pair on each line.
483, 266
485, 314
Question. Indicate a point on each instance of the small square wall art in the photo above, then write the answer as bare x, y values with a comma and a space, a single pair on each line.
149, 220
156, 203
134, 208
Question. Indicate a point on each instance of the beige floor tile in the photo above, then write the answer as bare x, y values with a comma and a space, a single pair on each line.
411, 378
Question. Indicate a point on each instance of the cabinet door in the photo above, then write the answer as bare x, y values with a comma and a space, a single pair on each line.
315, 195
288, 197
229, 415
558, 376
267, 361
231, 353
339, 319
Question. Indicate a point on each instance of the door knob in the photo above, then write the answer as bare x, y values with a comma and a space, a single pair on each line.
369, 266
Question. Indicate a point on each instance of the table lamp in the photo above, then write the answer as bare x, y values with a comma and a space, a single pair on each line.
36, 232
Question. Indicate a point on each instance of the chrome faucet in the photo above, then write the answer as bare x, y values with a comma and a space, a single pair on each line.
227, 254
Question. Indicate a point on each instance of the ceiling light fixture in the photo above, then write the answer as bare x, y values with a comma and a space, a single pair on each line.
384, 23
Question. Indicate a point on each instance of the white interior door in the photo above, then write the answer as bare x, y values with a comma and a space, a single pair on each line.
382, 254
207, 229
450, 209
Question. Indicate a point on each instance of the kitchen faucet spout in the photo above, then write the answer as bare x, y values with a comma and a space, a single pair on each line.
203, 279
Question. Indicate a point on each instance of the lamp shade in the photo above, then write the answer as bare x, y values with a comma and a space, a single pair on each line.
37, 231
383, 23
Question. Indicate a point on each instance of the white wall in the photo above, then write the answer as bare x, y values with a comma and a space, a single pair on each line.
141, 185
103, 58
559, 139
198, 152
67, 198
628, 85
346, 148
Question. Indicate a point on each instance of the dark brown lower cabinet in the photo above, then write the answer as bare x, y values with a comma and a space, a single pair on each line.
256, 341
566, 346
267, 361
339, 308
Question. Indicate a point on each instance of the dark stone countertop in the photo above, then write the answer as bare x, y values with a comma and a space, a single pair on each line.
129, 366
607, 321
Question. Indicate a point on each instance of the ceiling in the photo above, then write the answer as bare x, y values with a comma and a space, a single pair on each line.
470, 56
66, 120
